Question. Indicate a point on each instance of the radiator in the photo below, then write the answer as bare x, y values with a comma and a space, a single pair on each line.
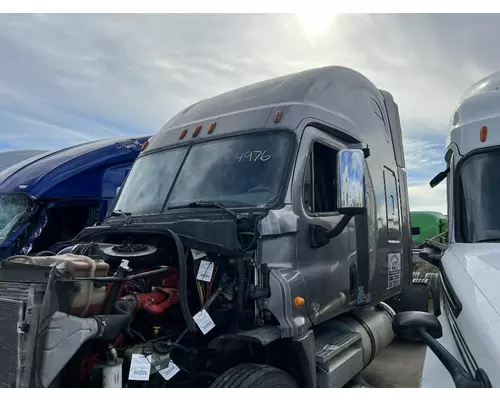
19, 310
10, 313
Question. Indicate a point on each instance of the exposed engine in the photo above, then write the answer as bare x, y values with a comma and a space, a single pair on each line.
140, 309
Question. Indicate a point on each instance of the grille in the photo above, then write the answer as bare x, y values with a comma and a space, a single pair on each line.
10, 312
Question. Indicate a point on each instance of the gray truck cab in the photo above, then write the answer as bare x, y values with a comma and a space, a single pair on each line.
294, 191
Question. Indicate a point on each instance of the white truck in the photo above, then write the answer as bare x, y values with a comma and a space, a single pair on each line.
467, 350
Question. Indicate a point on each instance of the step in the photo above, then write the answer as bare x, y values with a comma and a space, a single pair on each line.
339, 358
329, 346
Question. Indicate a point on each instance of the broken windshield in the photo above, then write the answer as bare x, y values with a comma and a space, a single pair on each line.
12, 209
241, 171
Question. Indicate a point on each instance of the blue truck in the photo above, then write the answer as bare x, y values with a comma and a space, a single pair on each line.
48, 198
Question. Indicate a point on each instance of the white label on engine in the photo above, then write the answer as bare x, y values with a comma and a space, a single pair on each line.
204, 322
394, 270
140, 368
170, 371
205, 271
197, 254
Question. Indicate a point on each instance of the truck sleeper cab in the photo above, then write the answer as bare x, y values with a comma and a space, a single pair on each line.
281, 208
470, 320
51, 197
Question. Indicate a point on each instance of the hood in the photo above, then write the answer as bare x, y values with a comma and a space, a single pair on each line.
481, 261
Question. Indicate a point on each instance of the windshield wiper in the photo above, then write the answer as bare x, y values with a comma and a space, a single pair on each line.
117, 213
195, 204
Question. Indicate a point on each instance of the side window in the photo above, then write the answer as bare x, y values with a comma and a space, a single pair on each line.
320, 187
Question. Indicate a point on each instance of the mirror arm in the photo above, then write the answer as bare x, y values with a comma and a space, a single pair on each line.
430, 258
460, 376
339, 228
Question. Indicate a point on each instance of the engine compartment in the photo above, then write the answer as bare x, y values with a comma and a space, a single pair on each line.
152, 310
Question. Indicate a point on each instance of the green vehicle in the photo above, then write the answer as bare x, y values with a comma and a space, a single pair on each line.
427, 225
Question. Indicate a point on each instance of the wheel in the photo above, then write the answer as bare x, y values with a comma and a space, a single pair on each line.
254, 376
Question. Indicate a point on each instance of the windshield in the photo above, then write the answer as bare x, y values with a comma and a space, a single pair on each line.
12, 209
479, 194
242, 171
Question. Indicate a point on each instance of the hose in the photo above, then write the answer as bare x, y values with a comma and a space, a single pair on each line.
207, 304
242, 281
183, 298
126, 307
45, 253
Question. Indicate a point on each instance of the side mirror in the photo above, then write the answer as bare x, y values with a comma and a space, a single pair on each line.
408, 324
351, 195
439, 178
351, 199
415, 230
413, 324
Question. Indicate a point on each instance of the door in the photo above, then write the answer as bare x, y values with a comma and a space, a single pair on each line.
327, 270
394, 245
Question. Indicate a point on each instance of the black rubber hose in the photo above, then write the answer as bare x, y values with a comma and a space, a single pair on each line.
242, 281
183, 299
45, 253
110, 279
125, 307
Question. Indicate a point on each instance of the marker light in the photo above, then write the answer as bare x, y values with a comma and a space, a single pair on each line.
277, 116
145, 145
298, 301
197, 131
183, 134
483, 132
211, 128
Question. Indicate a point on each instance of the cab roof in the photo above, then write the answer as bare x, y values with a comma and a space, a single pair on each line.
479, 106
39, 175
11, 157
339, 96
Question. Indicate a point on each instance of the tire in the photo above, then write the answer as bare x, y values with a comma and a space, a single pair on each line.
254, 376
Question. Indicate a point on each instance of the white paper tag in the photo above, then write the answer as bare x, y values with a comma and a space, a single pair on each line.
204, 322
140, 368
170, 371
205, 271
197, 254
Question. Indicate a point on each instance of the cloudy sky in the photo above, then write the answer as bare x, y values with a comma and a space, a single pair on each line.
66, 79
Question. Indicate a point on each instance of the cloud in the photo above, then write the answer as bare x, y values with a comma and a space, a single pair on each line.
423, 198
69, 78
